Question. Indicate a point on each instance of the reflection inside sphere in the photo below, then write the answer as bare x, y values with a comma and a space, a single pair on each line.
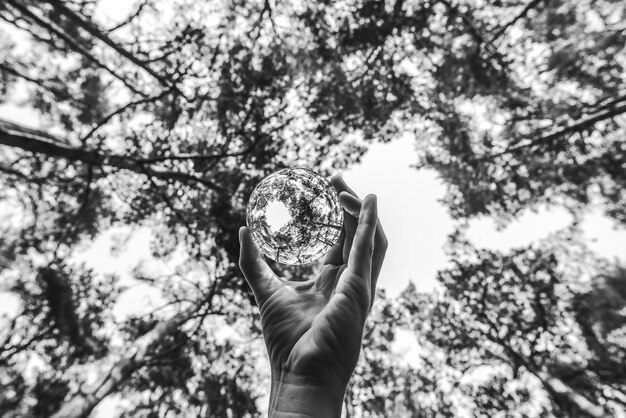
294, 216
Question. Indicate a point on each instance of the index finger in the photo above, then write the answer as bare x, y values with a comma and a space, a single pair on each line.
380, 239
361, 253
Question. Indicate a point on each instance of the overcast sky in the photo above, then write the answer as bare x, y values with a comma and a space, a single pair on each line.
417, 224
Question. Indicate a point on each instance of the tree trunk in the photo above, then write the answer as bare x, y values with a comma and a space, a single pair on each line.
558, 388
553, 385
81, 405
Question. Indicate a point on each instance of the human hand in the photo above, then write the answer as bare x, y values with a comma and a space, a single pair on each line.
313, 329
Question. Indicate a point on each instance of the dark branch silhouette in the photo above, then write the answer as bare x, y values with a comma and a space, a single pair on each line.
13, 135
576, 127
42, 84
130, 18
521, 15
49, 26
97, 33
119, 111
135, 357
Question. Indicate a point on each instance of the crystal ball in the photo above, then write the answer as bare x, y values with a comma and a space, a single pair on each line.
294, 216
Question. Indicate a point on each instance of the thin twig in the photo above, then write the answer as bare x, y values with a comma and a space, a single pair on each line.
506, 26
130, 17
119, 111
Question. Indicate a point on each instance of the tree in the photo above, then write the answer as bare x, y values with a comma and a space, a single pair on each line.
168, 125
530, 110
522, 318
602, 327
63, 313
168, 118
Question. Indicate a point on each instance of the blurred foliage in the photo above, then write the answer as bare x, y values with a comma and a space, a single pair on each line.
165, 119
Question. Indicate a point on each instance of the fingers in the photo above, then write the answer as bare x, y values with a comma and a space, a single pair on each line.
355, 281
352, 204
352, 207
360, 258
340, 185
258, 274
339, 253
335, 255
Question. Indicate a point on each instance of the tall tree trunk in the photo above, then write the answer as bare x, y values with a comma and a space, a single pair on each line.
558, 388
84, 402
553, 385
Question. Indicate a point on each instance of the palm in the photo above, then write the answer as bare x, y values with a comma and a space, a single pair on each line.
300, 322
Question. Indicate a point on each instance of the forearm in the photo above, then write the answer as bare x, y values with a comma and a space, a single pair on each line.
295, 396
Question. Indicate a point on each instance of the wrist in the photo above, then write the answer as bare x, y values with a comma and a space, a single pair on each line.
301, 396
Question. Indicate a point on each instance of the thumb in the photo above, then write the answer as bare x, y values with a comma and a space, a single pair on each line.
258, 274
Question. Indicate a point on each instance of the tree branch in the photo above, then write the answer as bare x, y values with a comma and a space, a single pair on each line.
58, 93
130, 18
71, 43
7, 352
576, 127
16, 173
478, 37
605, 103
197, 157
81, 405
186, 224
523, 13
119, 111
41, 143
557, 387
91, 28
553, 385
466, 20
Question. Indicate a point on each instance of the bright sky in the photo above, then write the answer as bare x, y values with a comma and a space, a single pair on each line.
417, 224
277, 215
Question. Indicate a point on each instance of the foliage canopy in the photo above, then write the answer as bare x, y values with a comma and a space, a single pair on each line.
166, 119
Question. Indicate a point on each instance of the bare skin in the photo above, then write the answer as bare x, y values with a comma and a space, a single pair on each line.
313, 329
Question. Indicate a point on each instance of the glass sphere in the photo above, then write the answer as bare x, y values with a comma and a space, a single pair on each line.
294, 216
